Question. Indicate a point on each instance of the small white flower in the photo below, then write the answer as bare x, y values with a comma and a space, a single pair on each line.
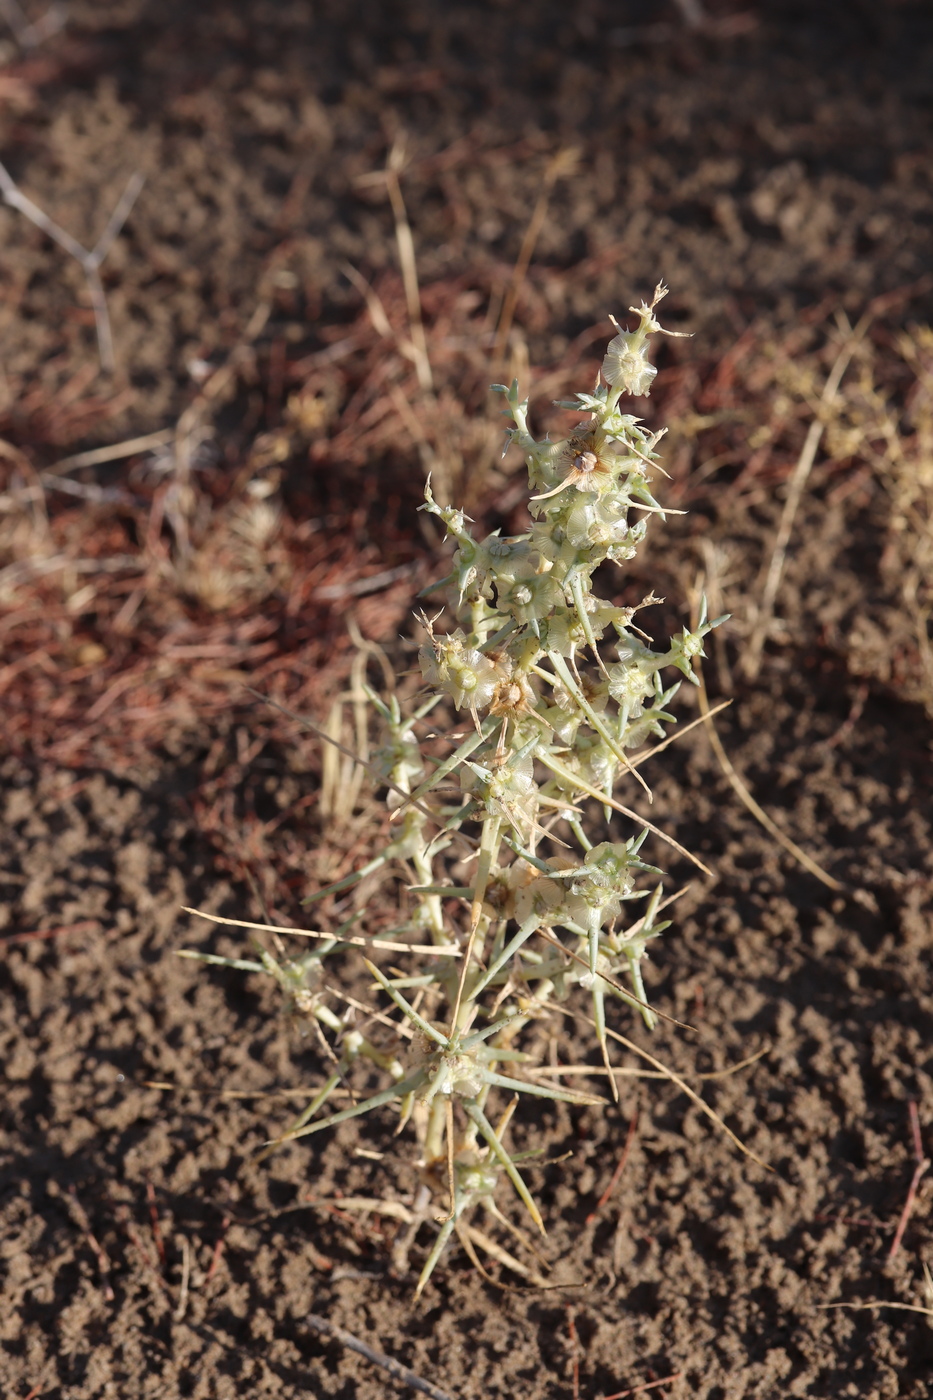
626, 363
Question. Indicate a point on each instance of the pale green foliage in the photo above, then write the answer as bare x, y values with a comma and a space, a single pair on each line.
553, 721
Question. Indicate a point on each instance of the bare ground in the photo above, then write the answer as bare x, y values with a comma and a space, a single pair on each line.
776, 170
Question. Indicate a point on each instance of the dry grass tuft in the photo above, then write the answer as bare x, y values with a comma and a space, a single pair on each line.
739, 431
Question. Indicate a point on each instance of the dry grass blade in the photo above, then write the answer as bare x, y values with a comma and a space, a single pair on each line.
393, 1210
382, 943
341, 782
694, 1097
617, 986
380, 778
752, 653
377, 312
734, 1069
561, 165
667, 1073
112, 453
470, 1235
757, 811
409, 266
628, 1072
600, 1071
83, 924
182, 1306
228, 1093
88, 259
574, 1352
678, 734
875, 1304
582, 786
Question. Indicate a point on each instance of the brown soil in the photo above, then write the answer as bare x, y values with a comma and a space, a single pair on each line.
776, 169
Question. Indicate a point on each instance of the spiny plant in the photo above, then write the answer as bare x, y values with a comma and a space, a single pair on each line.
555, 721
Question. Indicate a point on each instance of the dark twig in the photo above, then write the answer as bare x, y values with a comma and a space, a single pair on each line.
851, 1221
89, 259
394, 1368
614, 1180
574, 1352
125, 1221
80, 1217
923, 1166
218, 1249
649, 1385
855, 714
79, 927
154, 1221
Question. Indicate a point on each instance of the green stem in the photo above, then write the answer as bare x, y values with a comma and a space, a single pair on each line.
473, 741
328, 1018
488, 852
477, 1116
648, 1015
432, 904
397, 1091
602, 729
347, 881
424, 1026
512, 947
440, 1244
322, 1095
437, 1127
579, 602
542, 1091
